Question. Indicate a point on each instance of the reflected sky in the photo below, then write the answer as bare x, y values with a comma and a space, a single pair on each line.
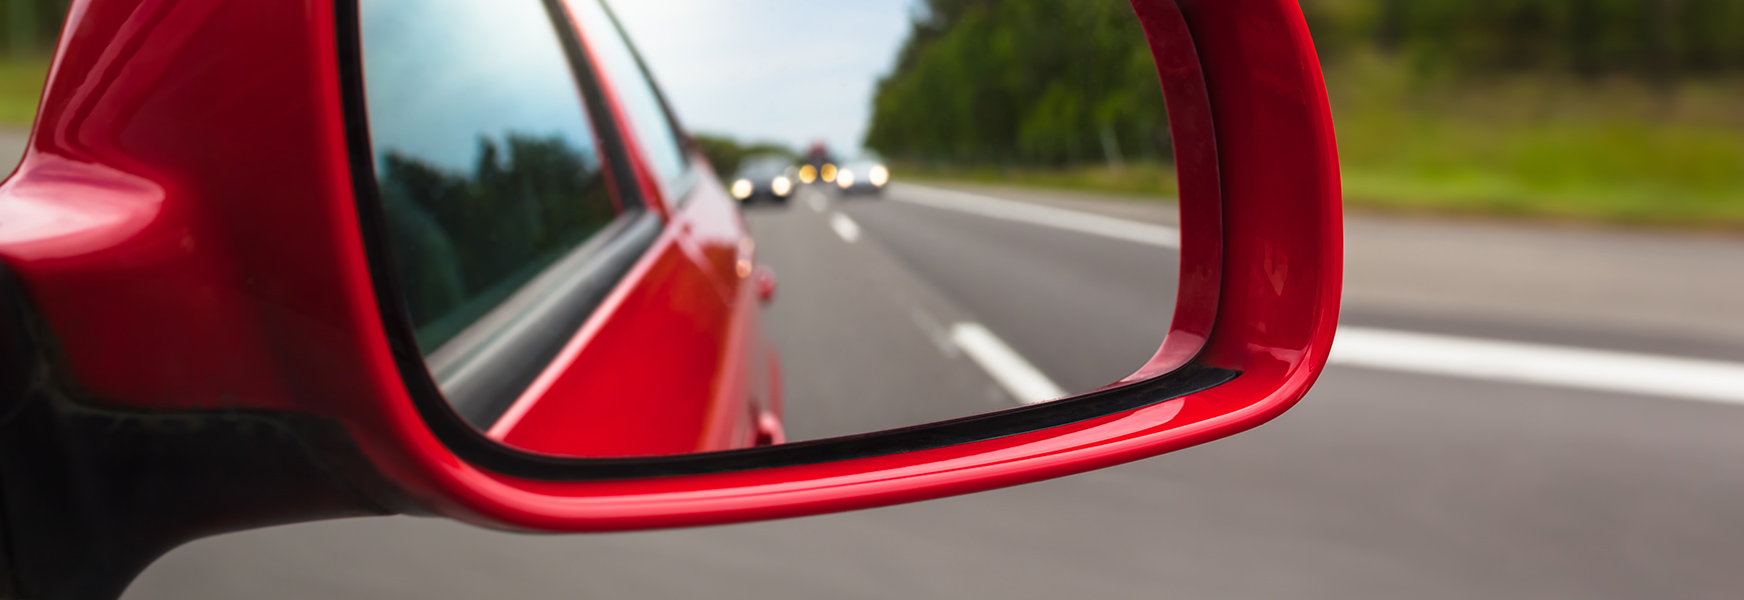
791, 71
423, 64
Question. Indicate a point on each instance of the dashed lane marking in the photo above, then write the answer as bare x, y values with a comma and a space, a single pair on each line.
1019, 378
845, 227
934, 331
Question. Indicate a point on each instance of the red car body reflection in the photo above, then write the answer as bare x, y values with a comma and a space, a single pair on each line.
166, 128
682, 326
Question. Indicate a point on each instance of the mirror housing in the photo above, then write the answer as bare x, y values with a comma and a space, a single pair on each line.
249, 286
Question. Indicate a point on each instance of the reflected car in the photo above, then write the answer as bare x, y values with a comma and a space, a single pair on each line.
863, 177
764, 178
820, 165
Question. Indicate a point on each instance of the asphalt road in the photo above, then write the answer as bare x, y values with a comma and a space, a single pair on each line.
1383, 483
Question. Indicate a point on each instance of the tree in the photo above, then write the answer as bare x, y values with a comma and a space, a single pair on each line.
1021, 82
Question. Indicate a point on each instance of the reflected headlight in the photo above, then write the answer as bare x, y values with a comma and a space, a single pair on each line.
807, 174
828, 172
845, 179
781, 186
878, 175
742, 189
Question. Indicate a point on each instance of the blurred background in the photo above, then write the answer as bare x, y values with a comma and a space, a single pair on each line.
1558, 183
1628, 111
1616, 110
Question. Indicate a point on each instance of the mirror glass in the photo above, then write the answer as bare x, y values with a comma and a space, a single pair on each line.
953, 208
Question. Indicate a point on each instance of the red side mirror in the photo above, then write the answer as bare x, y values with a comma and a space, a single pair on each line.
189, 249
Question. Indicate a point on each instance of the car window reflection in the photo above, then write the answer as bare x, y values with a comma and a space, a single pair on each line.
485, 159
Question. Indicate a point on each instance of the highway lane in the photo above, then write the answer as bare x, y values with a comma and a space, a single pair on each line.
1087, 310
1381, 485
865, 347
864, 326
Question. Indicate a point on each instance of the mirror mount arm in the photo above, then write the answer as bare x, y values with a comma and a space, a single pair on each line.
90, 495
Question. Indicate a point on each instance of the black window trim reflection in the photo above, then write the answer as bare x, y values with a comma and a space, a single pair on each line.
482, 371
471, 444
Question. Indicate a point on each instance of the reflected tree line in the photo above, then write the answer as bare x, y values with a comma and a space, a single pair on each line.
462, 242
1021, 82
1043, 82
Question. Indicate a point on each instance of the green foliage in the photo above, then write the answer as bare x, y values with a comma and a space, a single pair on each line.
1655, 40
21, 82
28, 30
462, 242
28, 27
1034, 82
1617, 151
725, 153
1617, 110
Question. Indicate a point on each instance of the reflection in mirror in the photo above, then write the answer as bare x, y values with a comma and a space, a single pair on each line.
486, 168
969, 208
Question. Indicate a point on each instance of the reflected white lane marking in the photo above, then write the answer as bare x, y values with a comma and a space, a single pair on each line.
1019, 378
934, 331
845, 227
1037, 214
1520, 362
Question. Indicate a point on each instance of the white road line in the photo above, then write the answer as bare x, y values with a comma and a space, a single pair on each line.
1520, 362
1037, 214
817, 201
1019, 378
845, 227
934, 331
1454, 356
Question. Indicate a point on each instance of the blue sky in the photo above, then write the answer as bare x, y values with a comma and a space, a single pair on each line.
790, 71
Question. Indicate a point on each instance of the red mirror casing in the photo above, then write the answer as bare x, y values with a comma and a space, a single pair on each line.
186, 229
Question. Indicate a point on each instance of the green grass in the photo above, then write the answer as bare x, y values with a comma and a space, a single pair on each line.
1605, 151
1611, 152
21, 83
1610, 170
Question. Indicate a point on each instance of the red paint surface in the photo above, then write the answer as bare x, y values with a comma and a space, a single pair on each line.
184, 221
1192, 130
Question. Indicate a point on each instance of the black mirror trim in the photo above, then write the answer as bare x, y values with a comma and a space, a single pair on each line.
1181, 382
